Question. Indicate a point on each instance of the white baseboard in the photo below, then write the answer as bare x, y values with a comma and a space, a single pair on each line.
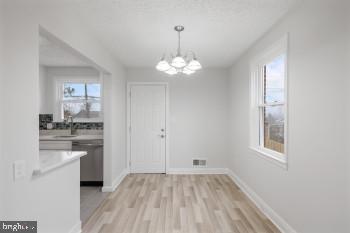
197, 171
280, 223
76, 228
116, 182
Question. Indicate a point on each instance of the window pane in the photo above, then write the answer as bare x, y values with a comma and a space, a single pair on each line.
72, 109
274, 128
82, 110
93, 110
94, 91
74, 91
82, 100
274, 80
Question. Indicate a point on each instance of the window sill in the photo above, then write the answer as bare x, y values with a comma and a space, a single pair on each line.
280, 162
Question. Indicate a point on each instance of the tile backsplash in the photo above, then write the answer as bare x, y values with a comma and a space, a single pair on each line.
45, 119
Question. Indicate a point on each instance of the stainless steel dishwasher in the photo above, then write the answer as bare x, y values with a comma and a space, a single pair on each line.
91, 165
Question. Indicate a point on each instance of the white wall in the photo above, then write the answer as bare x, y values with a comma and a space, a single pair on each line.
48, 77
198, 115
59, 191
43, 101
23, 199
311, 195
348, 113
118, 128
1, 104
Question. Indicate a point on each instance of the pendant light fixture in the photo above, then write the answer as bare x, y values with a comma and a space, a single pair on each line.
187, 64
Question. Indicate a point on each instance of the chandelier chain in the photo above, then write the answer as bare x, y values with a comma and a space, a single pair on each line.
179, 44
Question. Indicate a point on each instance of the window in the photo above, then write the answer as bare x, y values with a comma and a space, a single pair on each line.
268, 103
81, 100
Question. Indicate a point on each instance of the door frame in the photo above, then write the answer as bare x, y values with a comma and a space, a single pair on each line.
128, 121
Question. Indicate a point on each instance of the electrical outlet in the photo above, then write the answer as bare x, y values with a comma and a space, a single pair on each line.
49, 126
19, 169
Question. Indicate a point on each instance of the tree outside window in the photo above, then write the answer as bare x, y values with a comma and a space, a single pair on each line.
81, 100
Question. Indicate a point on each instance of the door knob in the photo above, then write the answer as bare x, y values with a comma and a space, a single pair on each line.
162, 130
162, 136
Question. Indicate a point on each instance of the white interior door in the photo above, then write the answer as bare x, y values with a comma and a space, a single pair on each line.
148, 132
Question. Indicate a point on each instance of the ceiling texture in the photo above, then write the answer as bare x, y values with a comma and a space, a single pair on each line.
138, 32
218, 31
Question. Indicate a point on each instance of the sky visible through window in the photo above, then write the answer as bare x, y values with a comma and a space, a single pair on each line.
274, 93
275, 80
81, 100
93, 90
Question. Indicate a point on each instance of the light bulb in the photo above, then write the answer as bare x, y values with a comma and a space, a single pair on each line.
171, 71
188, 71
163, 65
178, 62
194, 65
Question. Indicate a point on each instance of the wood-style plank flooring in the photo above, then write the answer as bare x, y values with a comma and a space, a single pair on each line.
158, 203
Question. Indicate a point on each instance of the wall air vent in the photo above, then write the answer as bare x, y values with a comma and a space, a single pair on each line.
199, 163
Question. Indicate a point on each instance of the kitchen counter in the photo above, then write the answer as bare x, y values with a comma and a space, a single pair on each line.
51, 159
76, 138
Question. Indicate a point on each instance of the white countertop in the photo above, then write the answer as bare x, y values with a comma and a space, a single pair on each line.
52, 159
76, 138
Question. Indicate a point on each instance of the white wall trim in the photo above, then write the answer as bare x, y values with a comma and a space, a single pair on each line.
279, 222
256, 102
116, 182
76, 228
197, 171
59, 80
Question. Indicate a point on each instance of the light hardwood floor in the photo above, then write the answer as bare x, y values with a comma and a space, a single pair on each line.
158, 203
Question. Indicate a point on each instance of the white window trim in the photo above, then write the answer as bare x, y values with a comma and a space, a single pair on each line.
59, 81
256, 67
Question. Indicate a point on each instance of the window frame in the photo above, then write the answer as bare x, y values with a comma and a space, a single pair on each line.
257, 103
60, 81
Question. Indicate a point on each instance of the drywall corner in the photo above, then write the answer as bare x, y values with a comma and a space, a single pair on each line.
116, 182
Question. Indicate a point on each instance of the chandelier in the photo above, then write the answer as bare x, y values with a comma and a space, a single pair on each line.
187, 64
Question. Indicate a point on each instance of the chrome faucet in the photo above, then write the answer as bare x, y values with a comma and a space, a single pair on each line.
72, 130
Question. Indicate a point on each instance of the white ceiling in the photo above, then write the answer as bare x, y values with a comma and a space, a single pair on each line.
51, 54
139, 31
